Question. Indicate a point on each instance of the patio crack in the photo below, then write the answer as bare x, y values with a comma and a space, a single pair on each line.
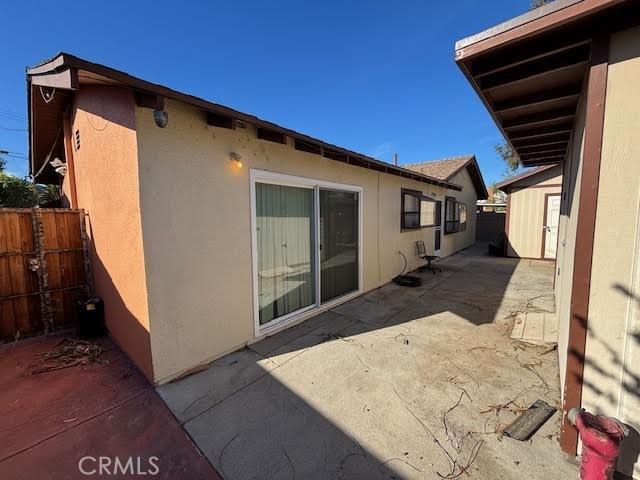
266, 372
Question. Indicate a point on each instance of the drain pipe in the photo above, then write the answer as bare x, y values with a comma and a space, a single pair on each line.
601, 437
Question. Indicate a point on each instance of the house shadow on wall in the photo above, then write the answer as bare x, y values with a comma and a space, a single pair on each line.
613, 368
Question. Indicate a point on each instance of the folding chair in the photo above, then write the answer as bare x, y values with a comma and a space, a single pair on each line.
430, 259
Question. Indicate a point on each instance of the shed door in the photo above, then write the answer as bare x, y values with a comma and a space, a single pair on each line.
552, 217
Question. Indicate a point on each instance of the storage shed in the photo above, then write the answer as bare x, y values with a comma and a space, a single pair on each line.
533, 212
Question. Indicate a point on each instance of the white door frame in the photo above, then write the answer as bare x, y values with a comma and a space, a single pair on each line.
545, 228
264, 176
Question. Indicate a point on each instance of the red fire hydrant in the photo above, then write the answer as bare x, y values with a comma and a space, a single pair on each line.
601, 437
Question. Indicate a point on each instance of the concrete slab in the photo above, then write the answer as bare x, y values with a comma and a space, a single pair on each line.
54, 419
536, 328
193, 395
392, 384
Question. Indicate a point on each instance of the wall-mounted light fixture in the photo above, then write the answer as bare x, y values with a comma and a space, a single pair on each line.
234, 157
161, 117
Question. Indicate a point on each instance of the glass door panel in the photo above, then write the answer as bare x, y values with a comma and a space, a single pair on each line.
285, 247
338, 243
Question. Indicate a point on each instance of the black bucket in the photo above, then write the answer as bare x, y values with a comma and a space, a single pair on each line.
90, 318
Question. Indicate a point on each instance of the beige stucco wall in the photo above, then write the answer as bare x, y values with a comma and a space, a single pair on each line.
454, 242
572, 173
197, 230
614, 301
106, 171
526, 212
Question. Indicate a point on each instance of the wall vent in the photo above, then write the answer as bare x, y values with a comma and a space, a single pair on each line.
76, 140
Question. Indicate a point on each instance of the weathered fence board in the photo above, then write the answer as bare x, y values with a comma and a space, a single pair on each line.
43, 269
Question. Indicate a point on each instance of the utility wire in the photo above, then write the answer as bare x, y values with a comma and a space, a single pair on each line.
8, 129
11, 113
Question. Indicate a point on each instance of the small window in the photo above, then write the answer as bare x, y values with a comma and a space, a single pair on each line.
418, 211
462, 217
455, 216
410, 210
427, 212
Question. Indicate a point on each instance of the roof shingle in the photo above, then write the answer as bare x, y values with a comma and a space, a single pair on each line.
443, 169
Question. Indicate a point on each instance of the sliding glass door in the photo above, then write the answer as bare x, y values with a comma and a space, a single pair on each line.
338, 243
306, 245
285, 238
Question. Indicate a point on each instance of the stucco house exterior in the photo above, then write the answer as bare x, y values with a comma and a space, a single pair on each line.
561, 82
212, 228
533, 212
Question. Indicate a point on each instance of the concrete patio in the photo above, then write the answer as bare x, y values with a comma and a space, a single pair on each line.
399, 383
53, 420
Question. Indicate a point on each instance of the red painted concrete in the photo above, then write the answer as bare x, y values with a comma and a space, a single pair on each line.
52, 420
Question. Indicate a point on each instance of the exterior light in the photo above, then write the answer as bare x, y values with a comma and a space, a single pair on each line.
234, 157
161, 117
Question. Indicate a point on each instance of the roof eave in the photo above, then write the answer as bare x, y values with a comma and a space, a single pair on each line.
65, 60
506, 183
534, 22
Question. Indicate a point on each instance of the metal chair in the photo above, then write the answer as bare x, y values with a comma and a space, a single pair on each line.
430, 259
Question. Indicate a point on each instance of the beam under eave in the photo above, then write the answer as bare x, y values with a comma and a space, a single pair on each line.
217, 120
542, 154
532, 52
541, 66
535, 147
65, 80
540, 119
149, 100
544, 159
566, 92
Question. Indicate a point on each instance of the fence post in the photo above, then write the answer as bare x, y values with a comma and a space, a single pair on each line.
88, 272
46, 309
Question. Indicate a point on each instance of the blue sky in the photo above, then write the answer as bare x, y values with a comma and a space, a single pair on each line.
377, 77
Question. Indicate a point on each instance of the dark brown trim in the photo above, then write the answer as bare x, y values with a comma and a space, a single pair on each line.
555, 14
525, 187
506, 226
522, 176
544, 221
585, 230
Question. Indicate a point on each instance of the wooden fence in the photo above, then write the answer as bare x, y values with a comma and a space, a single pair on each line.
44, 268
489, 226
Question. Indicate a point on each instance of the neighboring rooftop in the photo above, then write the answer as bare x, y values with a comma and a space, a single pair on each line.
447, 168
506, 184
442, 169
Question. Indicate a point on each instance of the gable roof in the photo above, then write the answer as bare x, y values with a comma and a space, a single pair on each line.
65, 73
506, 184
446, 169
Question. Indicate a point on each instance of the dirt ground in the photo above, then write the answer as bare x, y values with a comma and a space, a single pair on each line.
400, 383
